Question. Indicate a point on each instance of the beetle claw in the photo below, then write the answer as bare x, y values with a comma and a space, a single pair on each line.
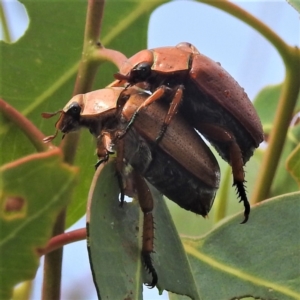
241, 191
122, 192
149, 267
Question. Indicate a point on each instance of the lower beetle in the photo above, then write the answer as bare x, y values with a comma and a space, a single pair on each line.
212, 101
181, 167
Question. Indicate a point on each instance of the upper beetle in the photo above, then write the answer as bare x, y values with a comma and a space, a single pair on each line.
210, 100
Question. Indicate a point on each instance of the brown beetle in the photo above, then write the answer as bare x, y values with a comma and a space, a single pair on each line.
213, 102
181, 167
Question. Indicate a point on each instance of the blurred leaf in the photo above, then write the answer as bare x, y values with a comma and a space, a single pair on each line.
266, 103
283, 182
293, 164
39, 71
33, 191
258, 259
114, 244
295, 4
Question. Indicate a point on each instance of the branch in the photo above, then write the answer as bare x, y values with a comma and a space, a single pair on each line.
63, 239
26, 126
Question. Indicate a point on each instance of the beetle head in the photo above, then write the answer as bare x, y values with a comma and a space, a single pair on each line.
141, 72
69, 119
136, 69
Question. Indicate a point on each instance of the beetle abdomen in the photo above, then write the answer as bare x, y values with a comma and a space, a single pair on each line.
168, 176
198, 109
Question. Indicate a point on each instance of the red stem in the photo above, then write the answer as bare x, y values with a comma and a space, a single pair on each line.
63, 239
26, 126
116, 57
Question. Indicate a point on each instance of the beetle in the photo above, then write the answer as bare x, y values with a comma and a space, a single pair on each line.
209, 99
181, 167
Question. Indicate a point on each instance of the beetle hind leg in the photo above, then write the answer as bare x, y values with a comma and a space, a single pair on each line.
230, 150
146, 203
241, 191
149, 266
237, 164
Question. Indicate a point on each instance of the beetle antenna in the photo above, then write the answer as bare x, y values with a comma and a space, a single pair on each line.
47, 115
120, 76
49, 138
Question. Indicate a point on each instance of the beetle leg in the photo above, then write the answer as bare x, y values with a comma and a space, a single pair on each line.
120, 168
235, 160
173, 109
104, 146
158, 94
104, 142
146, 203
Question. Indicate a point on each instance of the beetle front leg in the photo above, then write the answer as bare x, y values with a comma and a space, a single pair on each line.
216, 133
173, 109
103, 144
146, 203
158, 94
175, 96
104, 149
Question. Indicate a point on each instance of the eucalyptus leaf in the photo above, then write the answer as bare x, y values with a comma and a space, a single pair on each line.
39, 70
114, 244
258, 259
33, 190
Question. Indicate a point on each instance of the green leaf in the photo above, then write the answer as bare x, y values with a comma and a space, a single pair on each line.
293, 164
258, 259
284, 182
112, 239
39, 71
33, 190
114, 244
266, 103
295, 4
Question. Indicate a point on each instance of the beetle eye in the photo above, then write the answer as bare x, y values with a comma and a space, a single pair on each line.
74, 110
142, 71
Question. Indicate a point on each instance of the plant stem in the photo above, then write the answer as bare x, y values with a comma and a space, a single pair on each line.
52, 265
252, 21
63, 239
221, 204
104, 54
32, 133
85, 77
88, 68
283, 116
